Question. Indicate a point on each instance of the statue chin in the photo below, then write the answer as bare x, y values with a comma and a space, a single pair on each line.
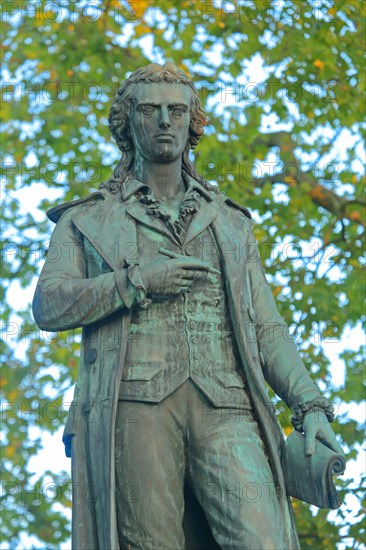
162, 154
167, 152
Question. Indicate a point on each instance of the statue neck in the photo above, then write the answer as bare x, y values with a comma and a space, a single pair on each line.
164, 179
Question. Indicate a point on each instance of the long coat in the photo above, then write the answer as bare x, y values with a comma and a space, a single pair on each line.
84, 284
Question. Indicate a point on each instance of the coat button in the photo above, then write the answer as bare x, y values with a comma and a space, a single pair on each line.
91, 356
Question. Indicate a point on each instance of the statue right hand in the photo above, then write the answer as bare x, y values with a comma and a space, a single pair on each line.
172, 276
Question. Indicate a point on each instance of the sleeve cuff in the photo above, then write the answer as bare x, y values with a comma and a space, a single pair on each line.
125, 289
134, 277
301, 410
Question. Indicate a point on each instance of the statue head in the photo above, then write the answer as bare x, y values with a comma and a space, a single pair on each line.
119, 121
121, 111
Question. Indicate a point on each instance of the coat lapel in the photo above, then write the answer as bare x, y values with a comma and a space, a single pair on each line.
110, 232
200, 220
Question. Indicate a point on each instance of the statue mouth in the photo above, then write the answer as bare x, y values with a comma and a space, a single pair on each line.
165, 137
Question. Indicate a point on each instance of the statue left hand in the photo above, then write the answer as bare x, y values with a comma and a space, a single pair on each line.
316, 425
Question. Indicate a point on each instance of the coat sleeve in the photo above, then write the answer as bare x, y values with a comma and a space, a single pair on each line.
65, 297
282, 365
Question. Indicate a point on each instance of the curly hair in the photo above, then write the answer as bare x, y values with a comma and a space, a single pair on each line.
119, 121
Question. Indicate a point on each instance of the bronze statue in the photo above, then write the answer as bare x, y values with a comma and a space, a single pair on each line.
172, 435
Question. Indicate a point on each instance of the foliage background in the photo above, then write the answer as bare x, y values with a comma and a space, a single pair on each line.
283, 85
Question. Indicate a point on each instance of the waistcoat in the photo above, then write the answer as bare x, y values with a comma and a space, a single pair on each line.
183, 336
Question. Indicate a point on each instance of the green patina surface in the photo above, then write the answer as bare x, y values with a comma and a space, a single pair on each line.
166, 282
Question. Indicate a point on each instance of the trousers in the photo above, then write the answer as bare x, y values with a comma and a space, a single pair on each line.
218, 452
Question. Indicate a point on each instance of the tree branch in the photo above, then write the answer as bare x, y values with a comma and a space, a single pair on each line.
319, 194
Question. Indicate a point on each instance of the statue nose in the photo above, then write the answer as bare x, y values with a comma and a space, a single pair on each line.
164, 121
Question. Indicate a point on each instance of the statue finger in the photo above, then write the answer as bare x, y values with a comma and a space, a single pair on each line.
191, 274
186, 280
185, 274
309, 442
194, 265
180, 283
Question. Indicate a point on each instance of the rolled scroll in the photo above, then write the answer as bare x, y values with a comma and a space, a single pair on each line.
311, 478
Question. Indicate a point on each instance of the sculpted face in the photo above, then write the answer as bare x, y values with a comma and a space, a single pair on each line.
160, 121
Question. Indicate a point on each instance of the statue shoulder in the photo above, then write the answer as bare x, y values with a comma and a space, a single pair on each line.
229, 202
55, 213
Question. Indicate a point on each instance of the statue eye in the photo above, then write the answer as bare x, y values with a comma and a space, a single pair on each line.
177, 111
147, 109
